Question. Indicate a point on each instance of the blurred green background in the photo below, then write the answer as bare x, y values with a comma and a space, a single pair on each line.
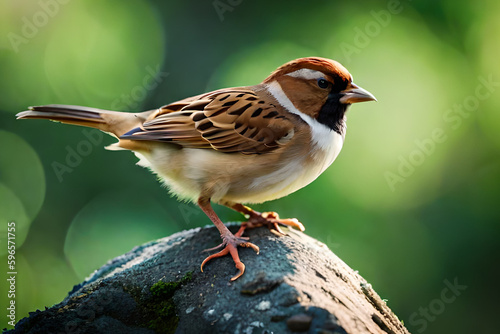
411, 202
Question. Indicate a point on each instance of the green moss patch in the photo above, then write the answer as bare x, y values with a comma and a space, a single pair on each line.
161, 313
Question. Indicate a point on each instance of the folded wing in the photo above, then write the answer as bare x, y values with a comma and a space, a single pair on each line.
230, 121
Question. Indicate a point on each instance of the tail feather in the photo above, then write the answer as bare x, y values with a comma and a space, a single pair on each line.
113, 122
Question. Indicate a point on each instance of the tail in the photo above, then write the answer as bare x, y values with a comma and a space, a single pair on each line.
113, 122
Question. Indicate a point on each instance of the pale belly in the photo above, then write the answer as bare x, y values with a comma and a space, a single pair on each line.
191, 173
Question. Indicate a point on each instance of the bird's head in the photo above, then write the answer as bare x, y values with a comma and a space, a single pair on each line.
318, 87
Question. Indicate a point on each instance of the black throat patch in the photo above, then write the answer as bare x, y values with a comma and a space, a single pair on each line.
332, 114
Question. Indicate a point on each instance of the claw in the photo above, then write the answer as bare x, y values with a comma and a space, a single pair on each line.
272, 220
252, 246
231, 248
277, 231
241, 267
230, 242
213, 256
294, 223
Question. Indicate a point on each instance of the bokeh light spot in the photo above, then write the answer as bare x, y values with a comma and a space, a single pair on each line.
112, 224
395, 148
87, 53
22, 184
252, 65
12, 211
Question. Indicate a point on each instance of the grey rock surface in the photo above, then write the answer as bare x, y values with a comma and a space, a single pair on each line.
295, 284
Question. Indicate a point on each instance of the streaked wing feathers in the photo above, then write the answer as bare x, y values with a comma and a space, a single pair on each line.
228, 121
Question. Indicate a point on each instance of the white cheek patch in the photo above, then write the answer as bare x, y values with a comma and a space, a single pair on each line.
321, 134
307, 74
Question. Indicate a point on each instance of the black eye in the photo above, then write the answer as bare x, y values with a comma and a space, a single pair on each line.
322, 83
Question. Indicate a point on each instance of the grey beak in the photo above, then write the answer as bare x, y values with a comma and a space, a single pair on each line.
355, 94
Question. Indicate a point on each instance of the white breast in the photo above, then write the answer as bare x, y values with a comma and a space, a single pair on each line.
298, 173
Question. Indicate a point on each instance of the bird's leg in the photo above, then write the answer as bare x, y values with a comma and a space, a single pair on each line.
270, 219
230, 241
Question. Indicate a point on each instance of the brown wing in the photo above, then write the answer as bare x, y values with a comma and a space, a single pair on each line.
229, 121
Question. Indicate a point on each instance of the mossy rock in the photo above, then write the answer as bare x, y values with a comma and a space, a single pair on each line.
295, 284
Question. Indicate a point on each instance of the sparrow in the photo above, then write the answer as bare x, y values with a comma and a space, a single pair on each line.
236, 146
